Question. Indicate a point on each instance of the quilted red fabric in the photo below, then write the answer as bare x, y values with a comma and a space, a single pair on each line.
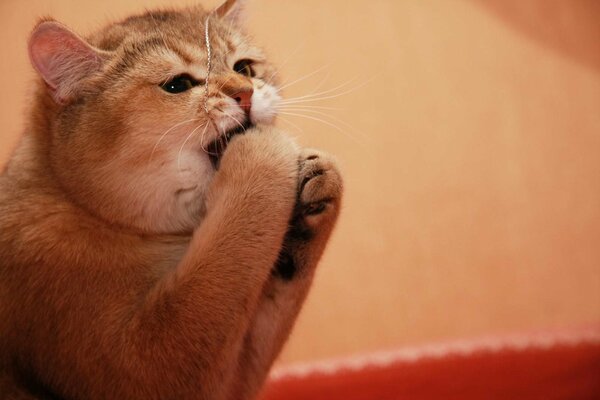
549, 370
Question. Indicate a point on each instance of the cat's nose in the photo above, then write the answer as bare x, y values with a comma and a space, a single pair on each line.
244, 99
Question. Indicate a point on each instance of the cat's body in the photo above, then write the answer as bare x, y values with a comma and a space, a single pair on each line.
131, 267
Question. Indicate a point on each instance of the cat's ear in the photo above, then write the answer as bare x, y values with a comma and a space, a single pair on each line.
232, 10
62, 59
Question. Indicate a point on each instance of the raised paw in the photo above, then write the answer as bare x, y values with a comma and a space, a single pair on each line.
319, 188
317, 207
259, 168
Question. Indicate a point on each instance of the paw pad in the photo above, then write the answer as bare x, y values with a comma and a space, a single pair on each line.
315, 208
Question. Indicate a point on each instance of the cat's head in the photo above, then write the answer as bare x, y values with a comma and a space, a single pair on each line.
136, 130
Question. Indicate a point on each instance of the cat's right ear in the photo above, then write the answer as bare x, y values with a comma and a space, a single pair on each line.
62, 59
232, 10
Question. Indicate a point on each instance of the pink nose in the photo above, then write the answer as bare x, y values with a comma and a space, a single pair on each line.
244, 100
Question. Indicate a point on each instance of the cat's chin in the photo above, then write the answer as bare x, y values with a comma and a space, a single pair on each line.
217, 148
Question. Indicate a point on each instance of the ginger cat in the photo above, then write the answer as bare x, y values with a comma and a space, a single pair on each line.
157, 236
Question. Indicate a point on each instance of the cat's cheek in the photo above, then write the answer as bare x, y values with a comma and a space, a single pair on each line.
173, 192
194, 180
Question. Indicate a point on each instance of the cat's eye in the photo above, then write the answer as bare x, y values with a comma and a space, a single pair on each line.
179, 84
244, 67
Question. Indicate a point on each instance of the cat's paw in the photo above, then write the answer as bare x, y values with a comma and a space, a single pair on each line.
319, 194
266, 149
319, 188
261, 165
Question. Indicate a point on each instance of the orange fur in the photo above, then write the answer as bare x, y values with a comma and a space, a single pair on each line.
131, 268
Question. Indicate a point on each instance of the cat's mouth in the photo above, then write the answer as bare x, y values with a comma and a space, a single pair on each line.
216, 149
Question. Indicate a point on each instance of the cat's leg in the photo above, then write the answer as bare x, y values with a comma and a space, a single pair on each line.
195, 321
9, 390
317, 208
23, 389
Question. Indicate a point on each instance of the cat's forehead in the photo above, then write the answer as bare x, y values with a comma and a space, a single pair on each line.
185, 26
177, 37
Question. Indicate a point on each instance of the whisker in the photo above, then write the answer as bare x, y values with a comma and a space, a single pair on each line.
225, 82
202, 136
321, 82
235, 119
327, 123
303, 78
285, 61
232, 22
185, 141
306, 106
333, 117
330, 96
325, 92
287, 121
169, 130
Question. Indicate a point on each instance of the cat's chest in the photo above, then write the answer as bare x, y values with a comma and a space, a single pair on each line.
170, 195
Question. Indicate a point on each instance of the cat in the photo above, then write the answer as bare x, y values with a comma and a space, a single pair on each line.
158, 235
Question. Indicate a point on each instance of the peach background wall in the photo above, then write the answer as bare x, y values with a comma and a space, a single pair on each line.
469, 135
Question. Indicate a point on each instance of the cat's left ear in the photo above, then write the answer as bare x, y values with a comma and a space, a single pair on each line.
63, 59
232, 10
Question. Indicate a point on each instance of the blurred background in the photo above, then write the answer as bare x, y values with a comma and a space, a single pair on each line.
469, 137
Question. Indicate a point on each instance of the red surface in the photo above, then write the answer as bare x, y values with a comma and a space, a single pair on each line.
562, 372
